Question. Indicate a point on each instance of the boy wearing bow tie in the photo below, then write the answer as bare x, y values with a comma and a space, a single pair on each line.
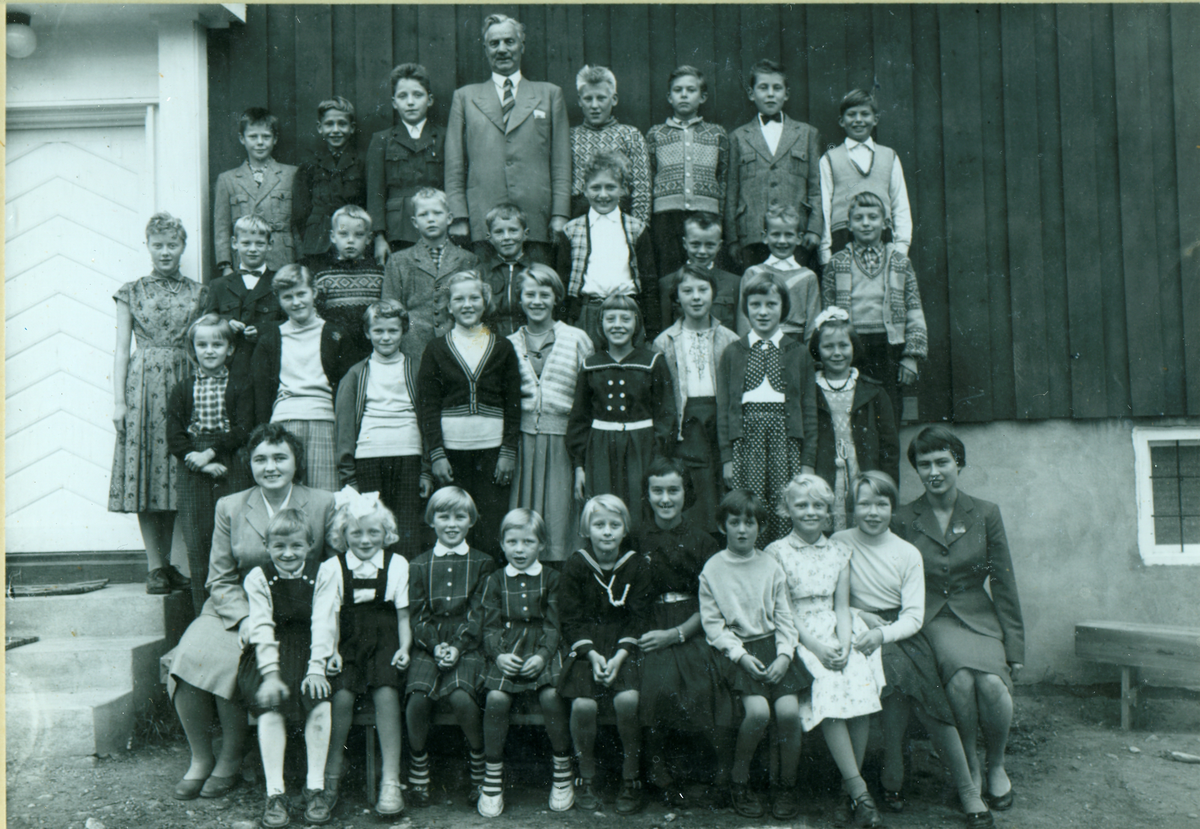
772, 161
859, 165
260, 187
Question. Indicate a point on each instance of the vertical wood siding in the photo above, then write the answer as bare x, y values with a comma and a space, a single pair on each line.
1051, 153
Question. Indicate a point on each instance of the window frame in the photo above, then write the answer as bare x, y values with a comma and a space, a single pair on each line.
1152, 553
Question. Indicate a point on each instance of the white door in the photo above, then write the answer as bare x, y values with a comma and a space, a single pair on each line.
76, 202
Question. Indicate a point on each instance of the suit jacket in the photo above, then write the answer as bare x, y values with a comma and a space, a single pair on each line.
397, 167
257, 307
759, 178
323, 185
975, 549
238, 195
528, 163
800, 393
336, 358
240, 544
872, 426
411, 278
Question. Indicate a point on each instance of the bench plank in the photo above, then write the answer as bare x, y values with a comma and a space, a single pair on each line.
1171, 649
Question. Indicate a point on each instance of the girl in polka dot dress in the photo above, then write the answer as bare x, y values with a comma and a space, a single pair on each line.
766, 402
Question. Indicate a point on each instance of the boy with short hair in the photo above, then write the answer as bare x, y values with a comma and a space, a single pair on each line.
601, 132
244, 297
607, 252
781, 235
860, 165
772, 160
260, 186
416, 276
504, 268
402, 160
297, 366
347, 278
689, 165
702, 242
334, 175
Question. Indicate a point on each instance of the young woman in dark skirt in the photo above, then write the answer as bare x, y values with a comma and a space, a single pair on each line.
887, 589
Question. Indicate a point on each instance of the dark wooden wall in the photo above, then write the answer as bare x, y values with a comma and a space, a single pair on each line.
1052, 155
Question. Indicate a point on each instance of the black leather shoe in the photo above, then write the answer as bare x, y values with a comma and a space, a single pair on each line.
745, 801
980, 820
894, 801
1002, 803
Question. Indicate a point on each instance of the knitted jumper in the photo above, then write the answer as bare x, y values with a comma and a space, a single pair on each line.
903, 317
546, 401
688, 183
587, 142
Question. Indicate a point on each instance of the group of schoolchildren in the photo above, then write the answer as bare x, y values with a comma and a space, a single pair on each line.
612, 416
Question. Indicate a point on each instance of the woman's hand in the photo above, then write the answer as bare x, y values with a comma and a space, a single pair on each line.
272, 691
580, 480
215, 470
727, 474
442, 473
777, 669
1015, 668
867, 643
599, 665
510, 664
382, 249
196, 461
401, 659
752, 665
505, 466
533, 666
316, 686
655, 640
119, 412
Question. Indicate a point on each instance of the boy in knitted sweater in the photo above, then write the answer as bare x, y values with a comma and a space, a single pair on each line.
601, 132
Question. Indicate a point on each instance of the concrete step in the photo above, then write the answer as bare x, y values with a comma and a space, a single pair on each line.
73, 664
115, 610
97, 721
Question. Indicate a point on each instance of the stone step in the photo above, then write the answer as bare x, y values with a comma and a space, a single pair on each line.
114, 610
97, 721
58, 665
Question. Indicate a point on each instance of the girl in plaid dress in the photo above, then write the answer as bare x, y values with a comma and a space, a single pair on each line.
209, 417
363, 594
520, 636
445, 598
766, 403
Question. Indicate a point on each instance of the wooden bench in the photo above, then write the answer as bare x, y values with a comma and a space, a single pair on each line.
1163, 655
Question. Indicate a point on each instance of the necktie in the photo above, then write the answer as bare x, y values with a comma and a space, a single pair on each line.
766, 119
507, 104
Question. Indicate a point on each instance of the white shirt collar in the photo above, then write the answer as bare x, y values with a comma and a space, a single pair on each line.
361, 567
440, 549
776, 338
869, 143
414, 132
499, 79
260, 270
613, 216
287, 500
707, 267
534, 569
774, 260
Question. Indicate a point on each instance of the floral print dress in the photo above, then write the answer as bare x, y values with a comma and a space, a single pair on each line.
143, 471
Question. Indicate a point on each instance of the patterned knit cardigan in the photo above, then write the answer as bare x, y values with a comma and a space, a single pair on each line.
546, 401
903, 317
587, 142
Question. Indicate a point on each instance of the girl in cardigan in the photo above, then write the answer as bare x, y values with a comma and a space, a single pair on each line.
766, 402
445, 599
681, 684
856, 429
209, 417
887, 590
470, 404
624, 411
520, 637
876, 283
550, 355
378, 433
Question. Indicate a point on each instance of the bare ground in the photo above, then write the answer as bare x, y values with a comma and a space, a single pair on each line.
1070, 764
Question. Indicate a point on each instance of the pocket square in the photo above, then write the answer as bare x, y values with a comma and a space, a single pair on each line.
537, 113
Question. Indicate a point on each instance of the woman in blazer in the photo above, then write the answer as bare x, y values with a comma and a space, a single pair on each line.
202, 674
979, 640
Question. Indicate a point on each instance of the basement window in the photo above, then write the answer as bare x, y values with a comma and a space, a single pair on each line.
1167, 464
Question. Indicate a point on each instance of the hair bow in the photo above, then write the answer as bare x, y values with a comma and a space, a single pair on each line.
833, 312
358, 504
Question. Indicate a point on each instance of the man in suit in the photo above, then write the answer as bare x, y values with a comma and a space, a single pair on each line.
772, 160
508, 140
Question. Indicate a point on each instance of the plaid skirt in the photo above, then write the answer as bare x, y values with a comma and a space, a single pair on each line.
398, 482
764, 460
320, 456
425, 677
515, 633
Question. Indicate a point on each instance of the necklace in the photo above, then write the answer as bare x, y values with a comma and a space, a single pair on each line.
173, 283
842, 387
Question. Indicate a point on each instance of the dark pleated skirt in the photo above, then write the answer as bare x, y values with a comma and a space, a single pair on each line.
616, 463
910, 668
740, 682
682, 686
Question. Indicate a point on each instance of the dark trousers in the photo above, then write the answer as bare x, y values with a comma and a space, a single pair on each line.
880, 360
666, 232
475, 471
398, 482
